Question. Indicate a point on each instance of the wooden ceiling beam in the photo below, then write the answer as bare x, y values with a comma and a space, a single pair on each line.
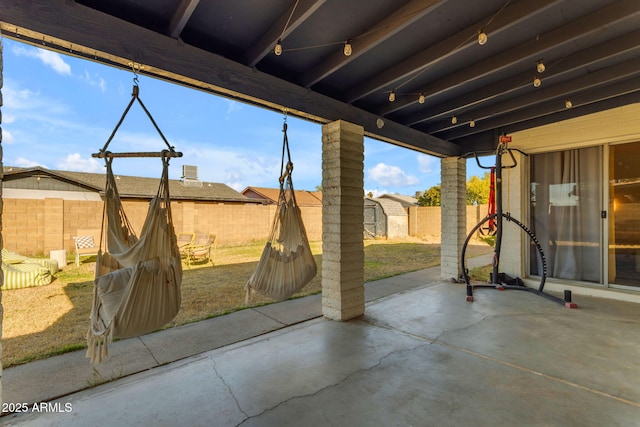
551, 104
421, 61
584, 58
79, 30
385, 29
181, 16
624, 9
292, 19
488, 139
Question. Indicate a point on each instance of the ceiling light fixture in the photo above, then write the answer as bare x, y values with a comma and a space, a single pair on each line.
380, 123
454, 120
540, 66
278, 49
568, 103
392, 96
472, 123
347, 48
482, 37
421, 98
537, 82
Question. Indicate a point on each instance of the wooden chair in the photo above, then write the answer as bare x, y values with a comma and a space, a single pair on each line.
202, 248
185, 239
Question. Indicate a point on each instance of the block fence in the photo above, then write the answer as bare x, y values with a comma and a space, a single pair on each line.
35, 227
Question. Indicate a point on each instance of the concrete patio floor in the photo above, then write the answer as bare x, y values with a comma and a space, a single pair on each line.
422, 356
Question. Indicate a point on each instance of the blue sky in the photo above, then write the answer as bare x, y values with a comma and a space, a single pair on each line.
59, 109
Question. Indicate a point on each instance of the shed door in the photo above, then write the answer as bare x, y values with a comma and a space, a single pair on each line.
370, 228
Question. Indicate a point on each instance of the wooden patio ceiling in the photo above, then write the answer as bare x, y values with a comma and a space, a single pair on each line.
426, 52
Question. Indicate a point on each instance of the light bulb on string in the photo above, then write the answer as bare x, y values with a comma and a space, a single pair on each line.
537, 82
380, 123
540, 66
278, 48
482, 37
454, 120
568, 103
347, 48
472, 123
392, 96
421, 98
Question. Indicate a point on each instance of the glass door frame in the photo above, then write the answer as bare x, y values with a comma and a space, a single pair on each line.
608, 205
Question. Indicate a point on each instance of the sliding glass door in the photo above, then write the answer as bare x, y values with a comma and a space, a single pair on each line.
566, 213
624, 215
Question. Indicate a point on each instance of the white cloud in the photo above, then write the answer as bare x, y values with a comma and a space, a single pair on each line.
95, 81
391, 176
26, 163
7, 138
21, 103
47, 57
17, 99
231, 165
234, 179
75, 162
232, 107
425, 163
8, 118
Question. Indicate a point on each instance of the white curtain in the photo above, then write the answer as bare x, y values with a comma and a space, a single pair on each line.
565, 213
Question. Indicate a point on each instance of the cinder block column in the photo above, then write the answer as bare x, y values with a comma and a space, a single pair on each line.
342, 220
453, 172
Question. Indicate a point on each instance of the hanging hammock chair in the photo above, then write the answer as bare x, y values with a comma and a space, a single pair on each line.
137, 279
286, 264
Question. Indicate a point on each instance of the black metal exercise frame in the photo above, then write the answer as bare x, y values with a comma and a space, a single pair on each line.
499, 216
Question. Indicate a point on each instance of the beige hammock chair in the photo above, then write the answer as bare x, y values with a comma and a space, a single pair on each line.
286, 264
137, 279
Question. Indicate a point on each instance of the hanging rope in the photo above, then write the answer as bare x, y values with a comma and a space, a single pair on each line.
135, 96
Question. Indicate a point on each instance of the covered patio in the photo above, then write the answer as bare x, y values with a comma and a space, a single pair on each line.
421, 356
440, 77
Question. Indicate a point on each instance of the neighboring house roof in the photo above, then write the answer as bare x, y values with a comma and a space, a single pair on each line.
303, 197
128, 186
405, 201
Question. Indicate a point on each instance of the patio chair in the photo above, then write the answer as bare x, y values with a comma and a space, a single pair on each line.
185, 239
202, 248
85, 246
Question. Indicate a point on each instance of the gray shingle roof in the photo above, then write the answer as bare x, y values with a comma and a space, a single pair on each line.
132, 186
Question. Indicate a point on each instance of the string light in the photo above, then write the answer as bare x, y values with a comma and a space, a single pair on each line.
536, 82
540, 66
454, 120
568, 103
380, 123
482, 37
421, 98
472, 123
347, 48
278, 49
392, 96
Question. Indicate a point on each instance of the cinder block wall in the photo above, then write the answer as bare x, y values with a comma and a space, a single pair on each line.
35, 227
39, 226
425, 221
